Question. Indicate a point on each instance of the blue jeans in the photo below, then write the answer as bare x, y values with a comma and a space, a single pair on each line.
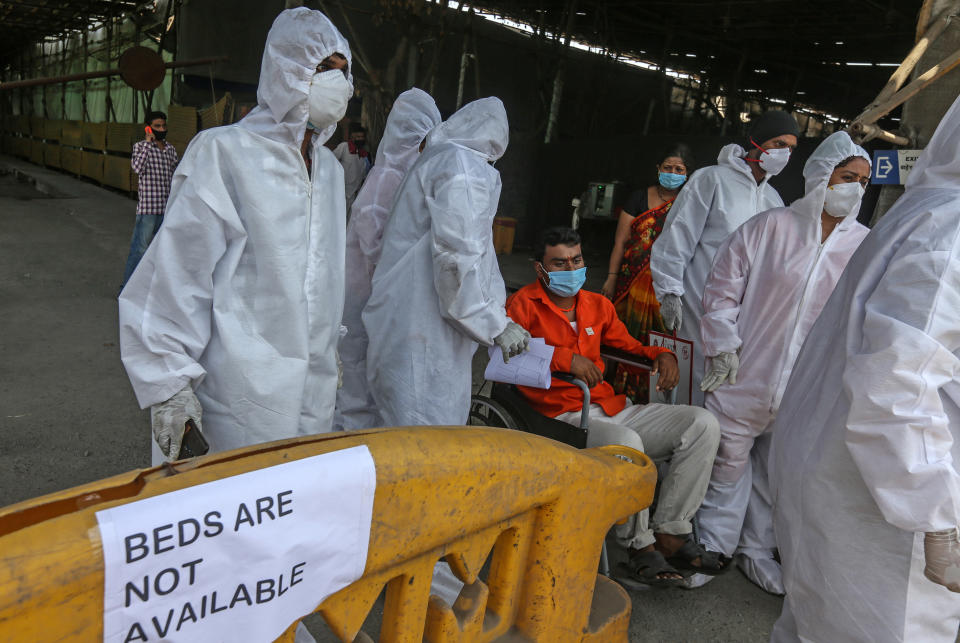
143, 232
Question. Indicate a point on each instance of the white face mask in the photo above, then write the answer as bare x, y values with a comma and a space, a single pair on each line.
843, 199
329, 93
773, 161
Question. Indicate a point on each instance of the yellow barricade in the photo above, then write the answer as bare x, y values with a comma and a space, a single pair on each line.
537, 509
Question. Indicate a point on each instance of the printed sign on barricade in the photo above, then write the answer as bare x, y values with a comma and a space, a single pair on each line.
237, 559
683, 349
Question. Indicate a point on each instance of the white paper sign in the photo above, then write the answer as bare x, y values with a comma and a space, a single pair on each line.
237, 559
531, 368
683, 349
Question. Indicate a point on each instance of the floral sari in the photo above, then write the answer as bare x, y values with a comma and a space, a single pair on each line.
634, 298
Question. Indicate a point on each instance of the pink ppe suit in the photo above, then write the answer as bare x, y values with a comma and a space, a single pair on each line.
769, 282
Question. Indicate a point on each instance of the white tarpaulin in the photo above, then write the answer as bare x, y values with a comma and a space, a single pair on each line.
237, 559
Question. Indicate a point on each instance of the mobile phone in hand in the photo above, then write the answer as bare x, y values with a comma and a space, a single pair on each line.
193, 444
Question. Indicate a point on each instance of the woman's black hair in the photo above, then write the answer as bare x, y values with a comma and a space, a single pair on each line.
683, 151
847, 160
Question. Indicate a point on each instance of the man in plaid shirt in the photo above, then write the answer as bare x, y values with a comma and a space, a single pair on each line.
153, 160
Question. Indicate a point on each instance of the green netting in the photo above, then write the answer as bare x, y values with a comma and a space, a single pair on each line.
48, 59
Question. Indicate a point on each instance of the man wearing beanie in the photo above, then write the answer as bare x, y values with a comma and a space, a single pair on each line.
716, 201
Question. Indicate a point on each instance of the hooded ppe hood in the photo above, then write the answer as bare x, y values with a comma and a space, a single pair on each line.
413, 115
816, 173
480, 126
731, 156
939, 164
299, 40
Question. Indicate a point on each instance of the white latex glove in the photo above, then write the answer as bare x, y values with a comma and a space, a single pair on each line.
942, 552
723, 367
671, 310
513, 340
169, 420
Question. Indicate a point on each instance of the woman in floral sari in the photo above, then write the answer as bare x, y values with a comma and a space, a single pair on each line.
629, 283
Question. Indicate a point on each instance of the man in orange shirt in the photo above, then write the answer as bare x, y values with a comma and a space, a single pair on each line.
576, 323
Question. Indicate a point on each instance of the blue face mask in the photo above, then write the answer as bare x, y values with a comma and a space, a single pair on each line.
671, 181
567, 283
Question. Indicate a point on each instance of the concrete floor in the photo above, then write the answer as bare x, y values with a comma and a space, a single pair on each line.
68, 414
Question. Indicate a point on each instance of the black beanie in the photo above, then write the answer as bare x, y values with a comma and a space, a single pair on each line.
772, 124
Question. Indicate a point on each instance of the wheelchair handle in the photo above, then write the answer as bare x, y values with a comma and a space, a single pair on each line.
585, 409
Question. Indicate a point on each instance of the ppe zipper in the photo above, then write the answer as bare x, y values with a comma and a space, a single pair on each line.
799, 310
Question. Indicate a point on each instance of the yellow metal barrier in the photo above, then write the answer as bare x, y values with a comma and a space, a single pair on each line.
538, 510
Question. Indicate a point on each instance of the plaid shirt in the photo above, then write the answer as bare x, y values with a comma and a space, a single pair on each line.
155, 169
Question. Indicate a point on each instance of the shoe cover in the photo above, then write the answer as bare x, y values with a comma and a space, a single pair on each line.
445, 584
762, 572
303, 635
697, 580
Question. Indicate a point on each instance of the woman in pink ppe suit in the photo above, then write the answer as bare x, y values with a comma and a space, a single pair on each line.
413, 115
769, 281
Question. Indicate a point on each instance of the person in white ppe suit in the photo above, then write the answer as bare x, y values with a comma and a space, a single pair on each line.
355, 159
234, 311
714, 203
863, 462
437, 291
769, 281
413, 115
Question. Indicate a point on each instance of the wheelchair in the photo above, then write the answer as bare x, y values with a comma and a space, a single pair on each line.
498, 404
502, 405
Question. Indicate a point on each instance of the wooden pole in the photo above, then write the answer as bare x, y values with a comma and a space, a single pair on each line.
902, 73
732, 112
875, 113
464, 59
85, 116
109, 99
135, 103
21, 92
63, 70
869, 131
43, 65
557, 93
163, 37
923, 18
476, 59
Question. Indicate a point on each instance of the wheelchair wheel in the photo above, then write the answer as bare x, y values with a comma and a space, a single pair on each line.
486, 412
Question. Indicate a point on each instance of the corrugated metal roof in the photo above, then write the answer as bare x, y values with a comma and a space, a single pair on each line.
23, 22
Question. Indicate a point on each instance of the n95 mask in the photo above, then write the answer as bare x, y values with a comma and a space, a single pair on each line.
329, 93
843, 199
774, 160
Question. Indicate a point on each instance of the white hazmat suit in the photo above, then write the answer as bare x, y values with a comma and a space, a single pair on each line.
355, 169
714, 203
865, 445
240, 294
413, 115
437, 291
769, 282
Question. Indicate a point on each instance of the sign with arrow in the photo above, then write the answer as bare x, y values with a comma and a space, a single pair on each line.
892, 167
